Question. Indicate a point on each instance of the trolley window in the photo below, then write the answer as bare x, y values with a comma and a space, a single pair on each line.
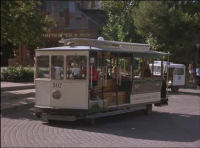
180, 71
57, 71
76, 67
43, 66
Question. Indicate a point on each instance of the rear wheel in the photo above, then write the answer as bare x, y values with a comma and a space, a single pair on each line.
51, 121
148, 110
174, 88
90, 121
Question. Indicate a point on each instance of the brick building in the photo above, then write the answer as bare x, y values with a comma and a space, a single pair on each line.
74, 19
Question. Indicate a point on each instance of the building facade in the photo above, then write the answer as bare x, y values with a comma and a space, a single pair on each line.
74, 19
71, 21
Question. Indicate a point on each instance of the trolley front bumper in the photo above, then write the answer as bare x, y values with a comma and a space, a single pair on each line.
52, 112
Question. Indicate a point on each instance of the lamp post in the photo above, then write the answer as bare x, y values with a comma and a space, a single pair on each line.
197, 52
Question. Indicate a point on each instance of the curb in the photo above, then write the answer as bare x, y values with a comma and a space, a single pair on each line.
5, 96
16, 108
17, 88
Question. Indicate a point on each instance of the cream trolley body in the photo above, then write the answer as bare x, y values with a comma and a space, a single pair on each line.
87, 79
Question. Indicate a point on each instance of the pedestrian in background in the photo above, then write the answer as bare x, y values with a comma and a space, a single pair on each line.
191, 71
198, 76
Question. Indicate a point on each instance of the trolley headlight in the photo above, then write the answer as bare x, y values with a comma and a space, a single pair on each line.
56, 94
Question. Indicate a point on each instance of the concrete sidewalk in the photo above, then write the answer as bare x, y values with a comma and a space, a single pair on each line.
8, 86
16, 96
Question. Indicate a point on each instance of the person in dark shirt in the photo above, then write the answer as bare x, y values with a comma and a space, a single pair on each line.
147, 71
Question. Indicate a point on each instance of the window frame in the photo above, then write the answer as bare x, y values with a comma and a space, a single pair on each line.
51, 67
37, 76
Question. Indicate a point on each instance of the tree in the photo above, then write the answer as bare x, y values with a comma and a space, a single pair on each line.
169, 26
119, 26
23, 23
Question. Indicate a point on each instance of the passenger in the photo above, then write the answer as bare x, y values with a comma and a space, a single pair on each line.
147, 71
94, 74
75, 69
115, 72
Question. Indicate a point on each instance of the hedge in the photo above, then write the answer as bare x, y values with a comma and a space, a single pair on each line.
19, 73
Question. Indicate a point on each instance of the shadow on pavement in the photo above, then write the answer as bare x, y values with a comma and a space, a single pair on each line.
157, 126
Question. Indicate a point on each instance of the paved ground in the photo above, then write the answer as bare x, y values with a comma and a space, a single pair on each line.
175, 125
16, 96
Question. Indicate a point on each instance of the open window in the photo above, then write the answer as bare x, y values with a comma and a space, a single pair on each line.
76, 67
57, 68
43, 67
180, 71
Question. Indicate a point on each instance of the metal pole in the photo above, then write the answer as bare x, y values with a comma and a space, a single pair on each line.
167, 73
91, 76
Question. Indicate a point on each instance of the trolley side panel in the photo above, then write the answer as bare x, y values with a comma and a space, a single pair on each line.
42, 93
74, 95
146, 91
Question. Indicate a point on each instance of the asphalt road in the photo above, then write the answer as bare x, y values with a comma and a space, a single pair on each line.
175, 125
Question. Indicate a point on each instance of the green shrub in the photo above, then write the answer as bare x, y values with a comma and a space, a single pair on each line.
18, 73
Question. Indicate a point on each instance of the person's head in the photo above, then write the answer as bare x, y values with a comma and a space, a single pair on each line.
74, 65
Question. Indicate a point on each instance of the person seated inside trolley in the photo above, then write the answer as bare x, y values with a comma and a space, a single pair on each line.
115, 72
75, 70
147, 71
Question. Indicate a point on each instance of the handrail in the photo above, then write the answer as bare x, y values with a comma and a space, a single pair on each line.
131, 78
106, 76
91, 76
120, 78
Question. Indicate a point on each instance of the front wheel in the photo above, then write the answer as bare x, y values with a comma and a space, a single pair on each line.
90, 121
51, 121
174, 88
148, 110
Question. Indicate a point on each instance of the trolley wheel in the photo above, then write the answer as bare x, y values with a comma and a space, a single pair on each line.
174, 88
148, 110
90, 121
51, 121
38, 115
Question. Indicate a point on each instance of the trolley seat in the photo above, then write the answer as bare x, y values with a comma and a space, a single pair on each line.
110, 92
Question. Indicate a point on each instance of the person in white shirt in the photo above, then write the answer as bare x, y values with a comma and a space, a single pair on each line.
75, 69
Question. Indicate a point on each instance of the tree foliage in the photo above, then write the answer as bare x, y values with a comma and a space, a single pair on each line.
119, 26
23, 23
169, 26
172, 26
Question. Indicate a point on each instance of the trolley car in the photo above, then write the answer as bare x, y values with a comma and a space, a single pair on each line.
88, 78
